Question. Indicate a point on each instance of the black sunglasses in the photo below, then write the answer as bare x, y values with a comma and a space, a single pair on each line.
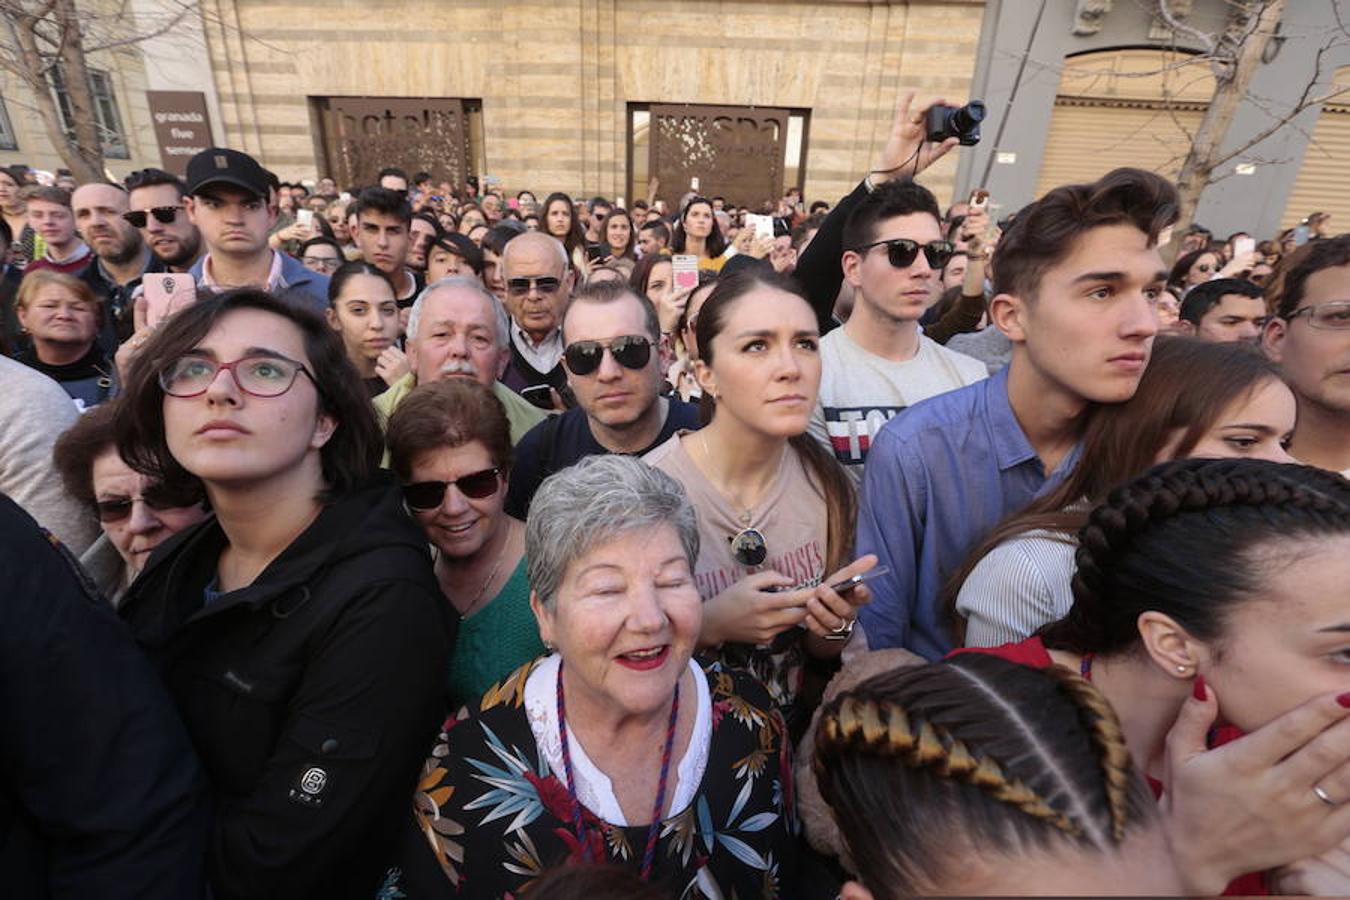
520, 287
475, 486
632, 351
156, 496
902, 252
164, 215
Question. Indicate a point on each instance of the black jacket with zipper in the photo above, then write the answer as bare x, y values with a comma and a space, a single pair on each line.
311, 695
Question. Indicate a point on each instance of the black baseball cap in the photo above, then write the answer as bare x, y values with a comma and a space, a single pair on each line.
221, 165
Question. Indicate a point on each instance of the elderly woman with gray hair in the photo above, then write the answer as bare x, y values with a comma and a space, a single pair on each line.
616, 747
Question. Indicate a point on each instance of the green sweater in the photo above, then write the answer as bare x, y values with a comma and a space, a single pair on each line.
494, 642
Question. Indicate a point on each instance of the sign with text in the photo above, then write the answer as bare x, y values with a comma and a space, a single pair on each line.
362, 135
737, 152
182, 127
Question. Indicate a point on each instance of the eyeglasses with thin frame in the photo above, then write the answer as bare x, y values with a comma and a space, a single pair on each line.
164, 215
424, 495
632, 351
261, 375
156, 496
901, 252
1333, 315
521, 287
324, 263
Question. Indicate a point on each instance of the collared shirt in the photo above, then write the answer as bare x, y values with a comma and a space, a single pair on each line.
543, 356
939, 477
274, 282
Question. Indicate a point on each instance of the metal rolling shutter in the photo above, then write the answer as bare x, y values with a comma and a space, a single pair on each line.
1090, 137
1321, 184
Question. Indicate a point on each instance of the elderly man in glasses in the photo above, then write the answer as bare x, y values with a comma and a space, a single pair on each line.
539, 283
609, 335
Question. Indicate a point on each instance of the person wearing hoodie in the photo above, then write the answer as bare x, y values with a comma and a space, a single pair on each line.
300, 630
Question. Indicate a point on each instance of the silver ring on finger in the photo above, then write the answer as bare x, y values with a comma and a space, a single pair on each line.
843, 632
1324, 796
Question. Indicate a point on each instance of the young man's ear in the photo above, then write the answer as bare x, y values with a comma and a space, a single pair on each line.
1008, 313
1272, 338
1186, 327
851, 263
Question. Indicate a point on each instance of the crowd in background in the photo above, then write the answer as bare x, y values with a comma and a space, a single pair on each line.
419, 539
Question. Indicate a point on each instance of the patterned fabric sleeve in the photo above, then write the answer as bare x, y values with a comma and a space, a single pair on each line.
494, 816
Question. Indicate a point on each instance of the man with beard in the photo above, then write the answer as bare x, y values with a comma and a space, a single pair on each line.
120, 256
156, 201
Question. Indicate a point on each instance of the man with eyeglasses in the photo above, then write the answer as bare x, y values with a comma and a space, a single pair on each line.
879, 363
229, 200
1309, 336
155, 199
538, 286
120, 256
613, 368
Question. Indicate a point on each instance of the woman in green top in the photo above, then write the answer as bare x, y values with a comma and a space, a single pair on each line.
450, 445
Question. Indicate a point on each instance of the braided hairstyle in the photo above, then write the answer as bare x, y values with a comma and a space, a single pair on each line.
923, 767
1183, 540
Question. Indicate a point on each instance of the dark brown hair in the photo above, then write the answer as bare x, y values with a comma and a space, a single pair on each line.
448, 413
589, 882
82, 443
1305, 262
576, 235
604, 292
1182, 539
1044, 233
1186, 387
828, 477
716, 243
1182, 267
632, 232
924, 766
642, 272
350, 457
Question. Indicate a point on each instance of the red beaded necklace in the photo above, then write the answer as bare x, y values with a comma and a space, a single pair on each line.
653, 830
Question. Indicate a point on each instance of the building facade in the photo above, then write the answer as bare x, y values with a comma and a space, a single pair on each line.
629, 97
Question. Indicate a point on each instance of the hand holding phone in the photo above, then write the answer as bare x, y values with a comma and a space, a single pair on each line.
166, 293
979, 199
685, 271
305, 218
1243, 246
763, 225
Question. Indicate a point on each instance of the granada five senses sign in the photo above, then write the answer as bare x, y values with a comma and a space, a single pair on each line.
182, 127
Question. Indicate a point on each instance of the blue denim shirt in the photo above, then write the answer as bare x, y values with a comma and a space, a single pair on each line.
939, 477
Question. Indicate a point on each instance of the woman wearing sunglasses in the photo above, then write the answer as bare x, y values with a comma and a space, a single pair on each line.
776, 512
301, 630
135, 513
450, 445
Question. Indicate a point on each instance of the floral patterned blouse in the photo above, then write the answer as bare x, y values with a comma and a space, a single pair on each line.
490, 815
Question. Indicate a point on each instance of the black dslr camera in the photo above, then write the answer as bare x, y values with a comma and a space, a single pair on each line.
956, 121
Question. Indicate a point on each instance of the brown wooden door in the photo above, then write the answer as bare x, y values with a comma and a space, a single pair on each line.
736, 152
362, 135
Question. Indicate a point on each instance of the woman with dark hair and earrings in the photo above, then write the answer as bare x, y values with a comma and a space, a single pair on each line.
300, 630
698, 233
776, 512
1213, 591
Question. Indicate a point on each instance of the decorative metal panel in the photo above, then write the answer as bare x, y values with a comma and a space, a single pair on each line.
736, 152
362, 135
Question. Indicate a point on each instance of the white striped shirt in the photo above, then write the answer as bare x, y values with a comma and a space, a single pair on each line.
1019, 586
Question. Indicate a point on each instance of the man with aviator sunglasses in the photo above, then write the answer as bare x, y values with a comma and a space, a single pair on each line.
155, 198
610, 334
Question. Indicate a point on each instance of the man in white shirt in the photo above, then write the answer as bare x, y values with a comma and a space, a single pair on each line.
879, 363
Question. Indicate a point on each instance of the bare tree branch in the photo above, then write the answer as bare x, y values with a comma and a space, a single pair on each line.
1202, 38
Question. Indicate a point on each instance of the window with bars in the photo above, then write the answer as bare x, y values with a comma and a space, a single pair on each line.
107, 118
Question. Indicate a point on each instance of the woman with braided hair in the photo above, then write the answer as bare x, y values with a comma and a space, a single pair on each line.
976, 776
1218, 588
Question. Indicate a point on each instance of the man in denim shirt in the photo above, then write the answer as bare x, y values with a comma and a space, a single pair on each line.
1076, 282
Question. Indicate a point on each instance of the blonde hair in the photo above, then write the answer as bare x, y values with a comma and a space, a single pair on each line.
35, 281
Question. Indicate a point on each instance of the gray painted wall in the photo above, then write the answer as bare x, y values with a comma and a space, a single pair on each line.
1251, 202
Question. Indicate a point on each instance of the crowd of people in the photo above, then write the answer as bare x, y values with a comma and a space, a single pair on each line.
418, 540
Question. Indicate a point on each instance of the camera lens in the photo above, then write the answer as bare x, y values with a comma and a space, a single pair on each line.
968, 116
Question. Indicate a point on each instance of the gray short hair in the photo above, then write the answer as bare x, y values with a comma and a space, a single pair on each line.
592, 503
468, 283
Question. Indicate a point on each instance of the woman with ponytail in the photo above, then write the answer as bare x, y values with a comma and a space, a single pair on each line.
980, 777
776, 512
1217, 588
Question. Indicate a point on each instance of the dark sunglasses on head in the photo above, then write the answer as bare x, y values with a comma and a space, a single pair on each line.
632, 351
157, 497
164, 215
902, 252
475, 486
519, 287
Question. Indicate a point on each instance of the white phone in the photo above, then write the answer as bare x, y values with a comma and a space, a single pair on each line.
693, 183
304, 218
1244, 245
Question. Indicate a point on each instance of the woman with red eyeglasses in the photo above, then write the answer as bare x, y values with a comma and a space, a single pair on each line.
450, 445
300, 630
